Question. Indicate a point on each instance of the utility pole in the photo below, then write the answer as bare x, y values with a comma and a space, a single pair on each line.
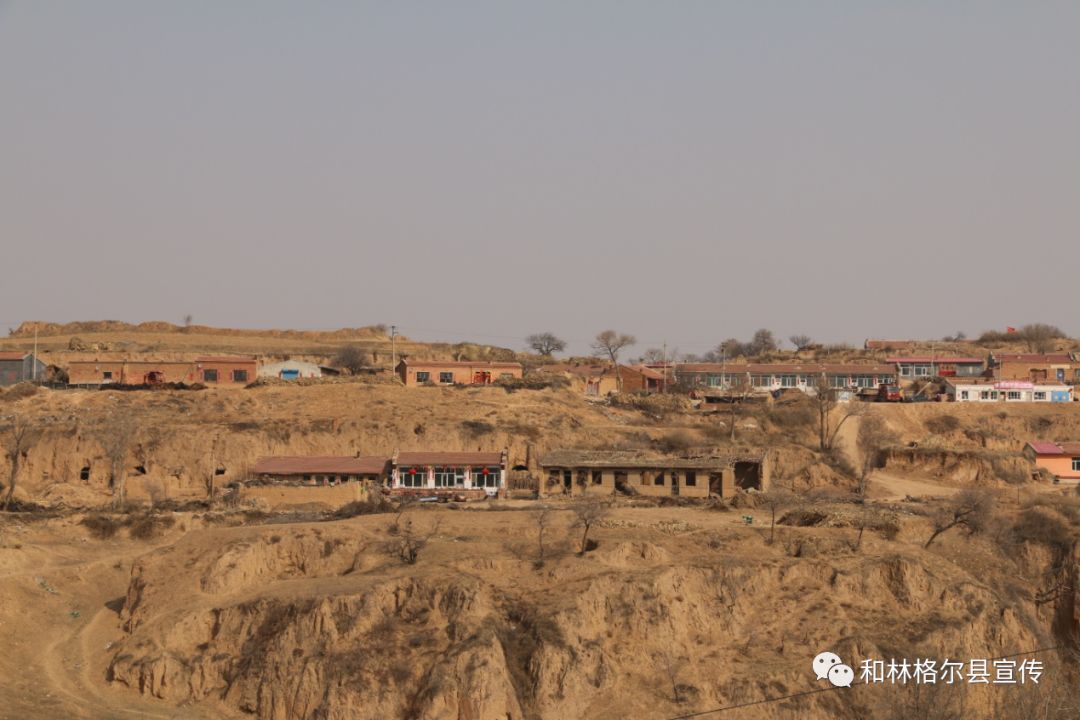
664, 387
33, 366
393, 348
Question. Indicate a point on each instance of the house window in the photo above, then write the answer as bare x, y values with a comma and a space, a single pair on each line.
446, 377
713, 381
658, 479
1040, 395
922, 370
963, 394
423, 376
506, 376
1076, 464
1013, 395
788, 380
107, 375
691, 478
905, 371
864, 381
838, 381
413, 477
239, 376
449, 477
487, 477
984, 395
762, 380
209, 375
597, 477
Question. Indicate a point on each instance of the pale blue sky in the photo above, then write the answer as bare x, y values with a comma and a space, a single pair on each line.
482, 170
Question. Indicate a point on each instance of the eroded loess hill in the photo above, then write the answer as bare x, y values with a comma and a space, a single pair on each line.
673, 612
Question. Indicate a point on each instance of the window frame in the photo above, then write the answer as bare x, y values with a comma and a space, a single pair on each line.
423, 376
239, 375
446, 378
210, 375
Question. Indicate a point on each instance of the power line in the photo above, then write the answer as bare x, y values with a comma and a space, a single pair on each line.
702, 713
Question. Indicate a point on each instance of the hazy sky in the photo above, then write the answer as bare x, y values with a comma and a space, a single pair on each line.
684, 171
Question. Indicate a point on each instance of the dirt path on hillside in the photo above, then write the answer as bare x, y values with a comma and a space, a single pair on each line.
59, 617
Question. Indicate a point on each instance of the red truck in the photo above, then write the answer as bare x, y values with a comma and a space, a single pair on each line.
890, 393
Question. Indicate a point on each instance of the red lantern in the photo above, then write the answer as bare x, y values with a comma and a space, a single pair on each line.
412, 471
485, 471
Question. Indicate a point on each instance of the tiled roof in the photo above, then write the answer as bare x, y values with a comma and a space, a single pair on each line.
936, 359
1044, 447
450, 458
1034, 358
460, 363
329, 464
225, 358
781, 368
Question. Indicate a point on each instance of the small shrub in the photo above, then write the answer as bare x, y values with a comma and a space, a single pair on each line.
101, 526
146, 527
676, 441
477, 428
1043, 526
943, 424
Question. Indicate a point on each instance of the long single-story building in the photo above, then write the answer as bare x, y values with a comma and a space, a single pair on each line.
604, 472
767, 377
17, 367
1060, 459
321, 470
464, 474
1062, 367
230, 370
453, 372
991, 390
923, 366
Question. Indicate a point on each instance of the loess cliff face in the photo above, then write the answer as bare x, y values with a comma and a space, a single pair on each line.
671, 613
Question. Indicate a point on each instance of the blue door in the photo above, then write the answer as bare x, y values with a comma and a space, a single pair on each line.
1059, 396
290, 374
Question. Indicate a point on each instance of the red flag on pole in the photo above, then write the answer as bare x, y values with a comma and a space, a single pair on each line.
1010, 329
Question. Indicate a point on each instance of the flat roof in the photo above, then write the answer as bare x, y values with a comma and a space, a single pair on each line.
1034, 357
329, 464
13, 355
631, 459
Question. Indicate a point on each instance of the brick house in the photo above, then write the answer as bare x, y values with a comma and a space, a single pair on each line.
602, 472
599, 380
236, 371
1061, 367
1060, 459
17, 367
465, 475
453, 372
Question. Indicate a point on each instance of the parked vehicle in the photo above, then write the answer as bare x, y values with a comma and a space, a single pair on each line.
890, 393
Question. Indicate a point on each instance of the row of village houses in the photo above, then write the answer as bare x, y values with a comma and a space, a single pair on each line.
478, 475
999, 377
475, 475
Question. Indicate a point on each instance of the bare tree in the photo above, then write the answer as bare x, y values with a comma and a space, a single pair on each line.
156, 492
763, 342
1040, 337
351, 358
608, 344
542, 518
827, 400
672, 666
545, 343
19, 436
211, 473
654, 355
188, 319
873, 436
776, 500
971, 508
588, 513
801, 342
408, 543
116, 438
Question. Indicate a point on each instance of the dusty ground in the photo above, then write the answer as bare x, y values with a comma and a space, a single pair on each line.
677, 610
323, 620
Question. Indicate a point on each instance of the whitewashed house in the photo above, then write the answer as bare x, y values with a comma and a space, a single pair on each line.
290, 370
989, 390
